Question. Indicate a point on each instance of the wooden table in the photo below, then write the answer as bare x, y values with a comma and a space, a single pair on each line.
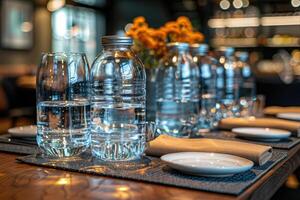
22, 181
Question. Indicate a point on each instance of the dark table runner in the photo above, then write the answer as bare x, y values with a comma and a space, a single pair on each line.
20, 149
148, 169
153, 170
226, 135
17, 145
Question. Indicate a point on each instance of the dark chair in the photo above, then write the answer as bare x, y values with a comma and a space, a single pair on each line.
21, 101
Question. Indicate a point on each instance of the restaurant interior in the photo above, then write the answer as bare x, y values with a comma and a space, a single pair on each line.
266, 31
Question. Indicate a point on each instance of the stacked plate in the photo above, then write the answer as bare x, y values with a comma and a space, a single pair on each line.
23, 135
23, 131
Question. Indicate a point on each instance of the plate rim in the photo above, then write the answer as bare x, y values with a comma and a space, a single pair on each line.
14, 131
279, 115
285, 134
212, 171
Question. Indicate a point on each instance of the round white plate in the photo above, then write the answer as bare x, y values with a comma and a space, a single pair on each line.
23, 131
207, 164
290, 116
264, 134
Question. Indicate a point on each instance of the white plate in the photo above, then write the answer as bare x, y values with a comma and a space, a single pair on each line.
23, 131
264, 134
207, 164
290, 116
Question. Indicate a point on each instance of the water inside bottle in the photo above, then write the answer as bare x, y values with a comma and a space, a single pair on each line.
63, 127
176, 118
116, 131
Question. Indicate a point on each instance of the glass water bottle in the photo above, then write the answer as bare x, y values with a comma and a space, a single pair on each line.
177, 92
227, 82
208, 102
118, 102
247, 86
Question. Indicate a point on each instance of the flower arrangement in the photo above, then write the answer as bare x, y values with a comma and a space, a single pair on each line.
150, 43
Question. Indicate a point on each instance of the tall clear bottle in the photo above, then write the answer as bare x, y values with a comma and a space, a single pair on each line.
208, 102
227, 82
118, 101
177, 92
247, 86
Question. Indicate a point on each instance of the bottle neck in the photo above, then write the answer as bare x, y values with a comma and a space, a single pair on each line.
178, 50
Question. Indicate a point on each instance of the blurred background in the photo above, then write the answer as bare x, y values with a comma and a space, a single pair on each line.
268, 29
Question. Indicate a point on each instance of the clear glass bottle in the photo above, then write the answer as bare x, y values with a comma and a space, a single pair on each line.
208, 102
227, 82
118, 102
247, 86
177, 92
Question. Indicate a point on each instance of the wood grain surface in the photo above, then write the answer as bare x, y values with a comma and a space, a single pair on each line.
22, 181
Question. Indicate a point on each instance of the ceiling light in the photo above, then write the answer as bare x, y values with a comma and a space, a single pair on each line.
237, 4
245, 3
234, 22
54, 5
224, 4
26, 27
295, 3
280, 20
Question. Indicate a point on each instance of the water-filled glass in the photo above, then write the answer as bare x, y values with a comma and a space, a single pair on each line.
118, 95
208, 116
227, 82
63, 106
177, 92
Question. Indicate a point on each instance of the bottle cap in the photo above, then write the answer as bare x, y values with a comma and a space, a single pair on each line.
116, 40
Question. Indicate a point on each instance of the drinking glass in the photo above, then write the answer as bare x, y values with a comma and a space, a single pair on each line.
258, 106
63, 105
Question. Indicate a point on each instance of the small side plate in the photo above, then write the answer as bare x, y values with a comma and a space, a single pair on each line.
207, 164
290, 116
263, 134
23, 131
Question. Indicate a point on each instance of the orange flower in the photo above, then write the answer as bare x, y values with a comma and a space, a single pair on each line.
140, 22
154, 40
139, 19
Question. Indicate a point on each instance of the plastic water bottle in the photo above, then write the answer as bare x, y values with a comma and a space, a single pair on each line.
63, 105
227, 82
247, 85
177, 92
118, 102
208, 102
